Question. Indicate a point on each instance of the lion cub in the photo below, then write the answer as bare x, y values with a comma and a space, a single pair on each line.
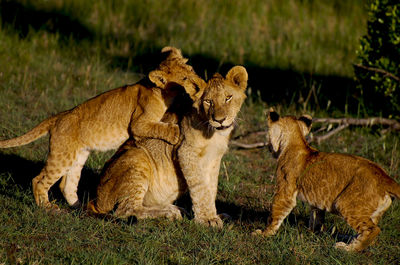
145, 177
105, 122
354, 187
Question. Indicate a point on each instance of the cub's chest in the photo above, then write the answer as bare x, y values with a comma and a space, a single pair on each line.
212, 149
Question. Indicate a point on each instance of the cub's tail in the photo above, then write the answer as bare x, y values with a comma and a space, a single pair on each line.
40, 130
93, 210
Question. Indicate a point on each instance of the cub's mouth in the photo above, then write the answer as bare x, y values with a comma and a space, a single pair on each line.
219, 126
224, 127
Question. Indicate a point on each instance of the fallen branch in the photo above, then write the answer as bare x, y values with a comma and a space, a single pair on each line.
393, 124
321, 138
248, 146
378, 70
256, 133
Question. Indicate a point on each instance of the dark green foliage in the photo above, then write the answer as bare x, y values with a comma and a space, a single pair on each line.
380, 49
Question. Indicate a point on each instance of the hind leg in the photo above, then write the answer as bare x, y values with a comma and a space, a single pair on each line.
132, 195
171, 212
383, 206
69, 183
47, 177
363, 217
142, 212
367, 231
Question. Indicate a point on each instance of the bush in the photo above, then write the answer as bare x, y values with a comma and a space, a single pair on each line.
378, 70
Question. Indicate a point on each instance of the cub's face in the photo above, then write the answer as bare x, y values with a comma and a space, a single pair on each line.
174, 71
282, 130
185, 76
223, 97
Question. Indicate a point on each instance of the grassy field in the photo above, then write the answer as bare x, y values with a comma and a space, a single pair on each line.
56, 54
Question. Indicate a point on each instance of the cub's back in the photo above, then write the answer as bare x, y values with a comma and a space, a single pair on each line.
328, 174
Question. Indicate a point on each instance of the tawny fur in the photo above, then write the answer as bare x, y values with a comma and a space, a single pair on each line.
354, 187
144, 179
105, 122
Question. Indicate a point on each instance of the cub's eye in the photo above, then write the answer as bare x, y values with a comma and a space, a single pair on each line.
228, 98
208, 101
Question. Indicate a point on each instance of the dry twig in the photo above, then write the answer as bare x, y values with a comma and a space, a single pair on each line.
248, 146
378, 70
393, 124
247, 134
321, 138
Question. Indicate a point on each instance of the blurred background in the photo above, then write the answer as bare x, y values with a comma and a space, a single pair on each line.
296, 51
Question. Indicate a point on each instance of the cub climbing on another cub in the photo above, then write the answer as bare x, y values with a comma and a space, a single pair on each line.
356, 188
105, 122
144, 178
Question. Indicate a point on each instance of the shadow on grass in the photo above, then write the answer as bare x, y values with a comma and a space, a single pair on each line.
275, 86
22, 171
25, 17
248, 217
240, 214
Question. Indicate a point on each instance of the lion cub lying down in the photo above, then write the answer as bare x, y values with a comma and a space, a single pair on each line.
356, 188
105, 122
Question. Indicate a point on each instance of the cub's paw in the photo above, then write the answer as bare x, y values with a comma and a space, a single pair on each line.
258, 232
173, 137
54, 209
50, 207
266, 233
344, 246
174, 213
211, 222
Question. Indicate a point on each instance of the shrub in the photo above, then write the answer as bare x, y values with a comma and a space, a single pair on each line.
378, 70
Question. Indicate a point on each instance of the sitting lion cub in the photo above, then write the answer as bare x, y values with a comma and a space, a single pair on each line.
105, 122
144, 178
356, 188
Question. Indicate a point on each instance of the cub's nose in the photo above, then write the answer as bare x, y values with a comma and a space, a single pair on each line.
220, 121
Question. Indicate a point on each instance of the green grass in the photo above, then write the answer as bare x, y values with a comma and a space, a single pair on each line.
83, 48
317, 37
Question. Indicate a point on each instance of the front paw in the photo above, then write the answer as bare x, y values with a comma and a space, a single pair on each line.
174, 213
267, 232
210, 222
343, 246
174, 134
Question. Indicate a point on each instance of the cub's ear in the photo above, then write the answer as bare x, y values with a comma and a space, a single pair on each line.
173, 53
305, 123
238, 75
157, 77
273, 116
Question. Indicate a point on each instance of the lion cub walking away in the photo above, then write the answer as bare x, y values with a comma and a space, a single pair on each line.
105, 122
356, 188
